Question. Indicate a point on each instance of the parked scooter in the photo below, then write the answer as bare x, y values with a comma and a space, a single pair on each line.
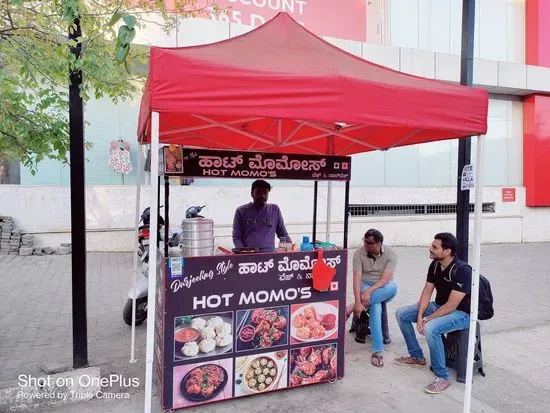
142, 283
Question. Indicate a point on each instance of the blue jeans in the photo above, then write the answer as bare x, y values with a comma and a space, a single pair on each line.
433, 329
378, 296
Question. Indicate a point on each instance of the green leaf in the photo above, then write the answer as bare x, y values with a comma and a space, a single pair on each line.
115, 18
123, 33
129, 20
122, 52
130, 36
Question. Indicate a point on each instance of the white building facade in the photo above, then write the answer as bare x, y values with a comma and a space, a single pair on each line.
408, 193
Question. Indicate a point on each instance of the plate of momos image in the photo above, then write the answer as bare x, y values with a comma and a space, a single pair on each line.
260, 373
202, 336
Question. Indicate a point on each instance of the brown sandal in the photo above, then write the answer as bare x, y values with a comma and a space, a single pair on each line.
377, 360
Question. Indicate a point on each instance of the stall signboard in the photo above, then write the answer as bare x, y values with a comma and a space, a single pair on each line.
180, 161
240, 325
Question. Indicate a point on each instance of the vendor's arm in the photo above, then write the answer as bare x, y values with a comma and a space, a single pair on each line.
384, 278
238, 230
281, 229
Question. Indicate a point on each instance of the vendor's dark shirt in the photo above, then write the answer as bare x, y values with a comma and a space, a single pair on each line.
461, 281
256, 227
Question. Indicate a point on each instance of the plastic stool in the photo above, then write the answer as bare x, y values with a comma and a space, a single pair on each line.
364, 330
456, 352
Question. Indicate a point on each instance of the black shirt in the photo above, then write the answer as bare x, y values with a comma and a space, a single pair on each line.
461, 281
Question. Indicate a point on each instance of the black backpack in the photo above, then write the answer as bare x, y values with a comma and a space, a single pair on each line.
485, 309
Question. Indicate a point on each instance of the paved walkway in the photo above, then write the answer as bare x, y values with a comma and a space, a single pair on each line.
36, 325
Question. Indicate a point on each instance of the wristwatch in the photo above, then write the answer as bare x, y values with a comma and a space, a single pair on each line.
425, 319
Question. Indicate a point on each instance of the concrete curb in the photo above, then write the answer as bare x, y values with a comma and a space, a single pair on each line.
52, 390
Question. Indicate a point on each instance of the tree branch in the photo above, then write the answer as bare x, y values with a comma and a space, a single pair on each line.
20, 116
17, 142
29, 61
9, 17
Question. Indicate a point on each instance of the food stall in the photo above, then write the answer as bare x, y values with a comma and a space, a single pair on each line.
282, 90
244, 324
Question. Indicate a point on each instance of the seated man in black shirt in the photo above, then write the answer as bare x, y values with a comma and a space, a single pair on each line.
449, 312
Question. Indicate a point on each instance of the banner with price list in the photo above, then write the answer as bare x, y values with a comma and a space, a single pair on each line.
251, 323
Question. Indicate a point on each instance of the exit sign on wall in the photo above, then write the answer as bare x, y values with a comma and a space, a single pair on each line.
508, 194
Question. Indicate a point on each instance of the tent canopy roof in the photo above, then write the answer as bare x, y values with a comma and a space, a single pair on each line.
280, 88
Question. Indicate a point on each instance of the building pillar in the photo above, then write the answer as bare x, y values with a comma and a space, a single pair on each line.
536, 109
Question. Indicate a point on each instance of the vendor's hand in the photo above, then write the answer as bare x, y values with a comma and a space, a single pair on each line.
420, 324
358, 308
365, 298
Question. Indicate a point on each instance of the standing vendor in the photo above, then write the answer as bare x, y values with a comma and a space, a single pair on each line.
256, 223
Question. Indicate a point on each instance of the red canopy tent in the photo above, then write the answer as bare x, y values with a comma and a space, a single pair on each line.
280, 88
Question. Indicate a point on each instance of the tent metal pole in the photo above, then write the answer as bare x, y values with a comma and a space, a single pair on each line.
329, 207
346, 215
475, 275
464, 144
153, 261
158, 211
139, 178
315, 191
166, 214
330, 150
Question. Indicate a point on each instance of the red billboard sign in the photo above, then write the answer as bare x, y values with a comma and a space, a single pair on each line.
342, 19
345, 19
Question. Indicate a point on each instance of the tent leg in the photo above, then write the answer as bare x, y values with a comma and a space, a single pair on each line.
153, 261
136, 232
315, 192
329, 207
158, 203
346, 215
166, 214
475, 275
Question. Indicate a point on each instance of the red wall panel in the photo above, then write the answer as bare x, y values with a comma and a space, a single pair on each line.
536, 150
537, 32
536, 109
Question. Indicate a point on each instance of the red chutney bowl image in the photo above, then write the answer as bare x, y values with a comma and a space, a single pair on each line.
186, 335
247, 333
328, 321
